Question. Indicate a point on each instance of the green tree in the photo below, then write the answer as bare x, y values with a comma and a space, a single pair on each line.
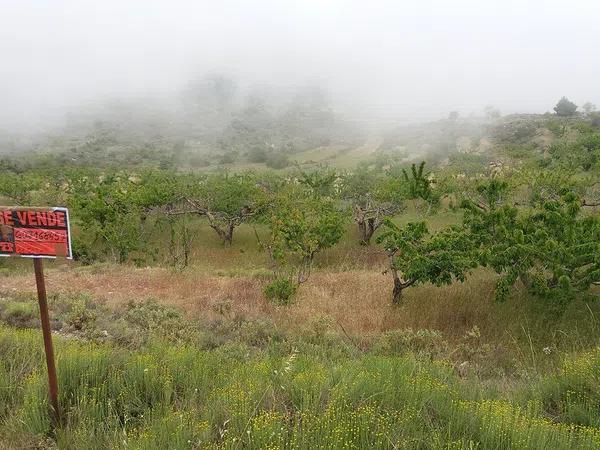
226, 201
553, 249
19, 188
322, 181
417, 256
565, 107
161, 194
373, 196
302, 225
104, 210
583, 153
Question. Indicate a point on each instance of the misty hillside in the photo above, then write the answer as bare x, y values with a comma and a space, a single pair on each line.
213, 126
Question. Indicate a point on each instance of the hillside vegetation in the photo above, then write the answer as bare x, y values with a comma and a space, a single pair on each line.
432, 286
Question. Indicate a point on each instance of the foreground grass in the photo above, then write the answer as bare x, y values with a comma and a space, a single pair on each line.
165, 396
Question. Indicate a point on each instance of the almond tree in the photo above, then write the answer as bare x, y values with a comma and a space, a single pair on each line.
373, 197
106, 213
226, 201
417, 256
302, 225
553, 249
160, 194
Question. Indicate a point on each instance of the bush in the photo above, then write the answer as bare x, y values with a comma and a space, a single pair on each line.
19, 314
557, 127
83, 252
280, 291
514, 131
257, 154
80, 316
259, 333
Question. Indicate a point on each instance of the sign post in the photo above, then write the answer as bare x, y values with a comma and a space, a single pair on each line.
38, 233
47, 333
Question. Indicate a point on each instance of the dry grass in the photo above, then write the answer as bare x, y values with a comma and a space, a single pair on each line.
356, 300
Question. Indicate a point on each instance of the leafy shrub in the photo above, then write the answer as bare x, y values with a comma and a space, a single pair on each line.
257, 154
81, 316
514, 131
280, 291
83, 252
19, 314
258, 333
583, 153
557, 127
468, 162
583, 127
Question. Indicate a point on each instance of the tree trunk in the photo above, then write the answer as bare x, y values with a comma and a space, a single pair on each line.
304, 269
226, 234
172, 244
398, 287
372, 225
229, 233
187, 244
362, 232
366, 229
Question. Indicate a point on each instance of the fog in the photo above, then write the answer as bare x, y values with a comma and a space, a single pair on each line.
379, 60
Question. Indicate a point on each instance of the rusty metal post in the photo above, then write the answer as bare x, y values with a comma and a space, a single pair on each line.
47, 332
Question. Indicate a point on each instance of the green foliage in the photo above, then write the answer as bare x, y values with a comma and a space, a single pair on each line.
302, 225
583, 127
583, 153
372, 196
18, 188
553, 249
179, 397
280, 290
548, 185
322, 181
557, 127
572, 394
418, 184
418, 256
277, 161
226, 200
470, 163
514, 130
565, 107
520, 151
106, 211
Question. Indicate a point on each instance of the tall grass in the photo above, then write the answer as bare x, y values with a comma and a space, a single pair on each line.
180, 398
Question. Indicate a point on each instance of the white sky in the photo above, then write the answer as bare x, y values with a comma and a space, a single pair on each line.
405, 59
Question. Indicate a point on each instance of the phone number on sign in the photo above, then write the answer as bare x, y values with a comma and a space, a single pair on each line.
40, 235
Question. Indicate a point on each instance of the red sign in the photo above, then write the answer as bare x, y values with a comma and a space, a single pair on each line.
35, 232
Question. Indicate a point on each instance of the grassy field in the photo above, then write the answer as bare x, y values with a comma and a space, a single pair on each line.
152, 357
309, 396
